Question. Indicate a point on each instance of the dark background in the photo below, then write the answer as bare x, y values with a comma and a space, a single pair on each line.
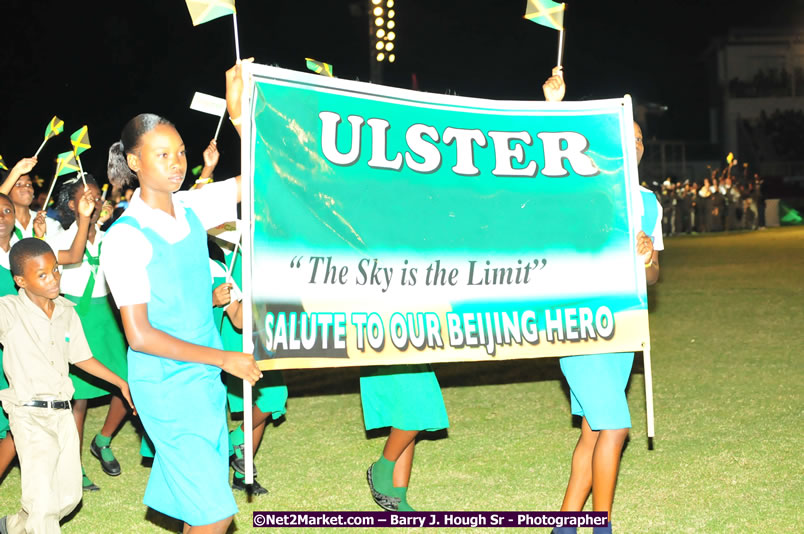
101, 63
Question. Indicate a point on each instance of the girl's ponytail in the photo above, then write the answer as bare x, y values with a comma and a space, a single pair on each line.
118, 172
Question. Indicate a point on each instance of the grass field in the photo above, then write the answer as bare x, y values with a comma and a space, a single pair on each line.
727, 323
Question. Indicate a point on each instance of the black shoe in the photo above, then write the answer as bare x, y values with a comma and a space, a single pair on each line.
386, 502
87, 485
238, 462
239, 484
111, 468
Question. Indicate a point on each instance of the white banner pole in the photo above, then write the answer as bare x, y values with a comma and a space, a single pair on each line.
648, 389
236, 36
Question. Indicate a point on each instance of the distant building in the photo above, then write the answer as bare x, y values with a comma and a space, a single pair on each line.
757, 98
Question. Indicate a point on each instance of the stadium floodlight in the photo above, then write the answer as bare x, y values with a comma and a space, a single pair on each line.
381, 19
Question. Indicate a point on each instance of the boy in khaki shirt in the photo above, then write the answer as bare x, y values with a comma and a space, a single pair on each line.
41, 335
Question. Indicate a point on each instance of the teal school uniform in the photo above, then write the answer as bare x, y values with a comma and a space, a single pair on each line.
182, 404
407, 397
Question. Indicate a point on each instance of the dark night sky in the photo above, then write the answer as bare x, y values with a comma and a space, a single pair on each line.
101, 63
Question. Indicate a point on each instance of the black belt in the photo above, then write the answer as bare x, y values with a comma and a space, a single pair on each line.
56, 404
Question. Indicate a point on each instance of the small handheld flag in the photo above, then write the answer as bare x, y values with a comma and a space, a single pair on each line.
319, 67
550, 14
54, 128
202, 11
66, 164
212, 105
80, 140
3, 164
546, 12
729, 158
208, 104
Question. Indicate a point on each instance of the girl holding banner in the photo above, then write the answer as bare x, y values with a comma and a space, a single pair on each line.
597, 381
156, 262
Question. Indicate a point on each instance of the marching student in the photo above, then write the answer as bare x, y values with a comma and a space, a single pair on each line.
597, 382
156, 263
19, 187
42, 335
406, 398
7, 287
84, 284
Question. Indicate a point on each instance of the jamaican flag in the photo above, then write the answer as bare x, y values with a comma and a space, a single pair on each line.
80, 140
319, 67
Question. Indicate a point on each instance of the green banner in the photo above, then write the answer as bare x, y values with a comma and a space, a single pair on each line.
391, 226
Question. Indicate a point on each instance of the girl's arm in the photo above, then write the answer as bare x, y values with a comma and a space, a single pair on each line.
96, 368
650, 256
75, 254
211, 157
143, 337
235, 313
234, 92
23, 166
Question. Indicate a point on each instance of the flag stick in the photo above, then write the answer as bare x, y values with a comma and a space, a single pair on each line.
52, 185
40, 148
560, 48
218, 129
237, 38
231, 264
81, 168
648, 389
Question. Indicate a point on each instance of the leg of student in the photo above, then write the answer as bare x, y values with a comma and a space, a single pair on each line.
236, 439
219, 527
80, 415
580, 481
259, 419
605, 465
68, 468
403, 466
7, 453
114, 417
50, 468
101, 443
